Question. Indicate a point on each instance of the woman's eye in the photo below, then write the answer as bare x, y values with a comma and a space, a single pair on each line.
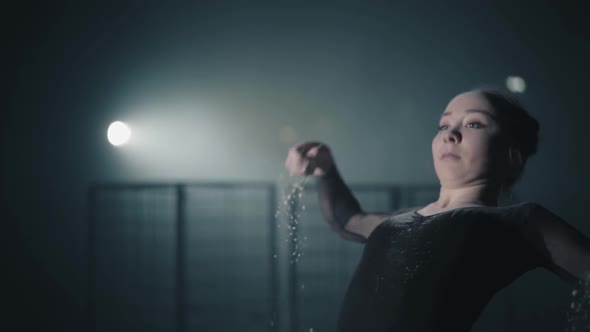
479, 125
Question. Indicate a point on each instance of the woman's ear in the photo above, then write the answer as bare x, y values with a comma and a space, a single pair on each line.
514, 165
515, 159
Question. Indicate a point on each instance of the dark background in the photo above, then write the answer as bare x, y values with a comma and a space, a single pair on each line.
368, 78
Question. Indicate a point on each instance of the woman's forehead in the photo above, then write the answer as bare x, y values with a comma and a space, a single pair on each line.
467, 102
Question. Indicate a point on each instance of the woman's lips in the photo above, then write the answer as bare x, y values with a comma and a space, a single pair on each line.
449, 156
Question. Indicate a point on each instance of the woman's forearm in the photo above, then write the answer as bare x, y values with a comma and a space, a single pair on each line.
337, 202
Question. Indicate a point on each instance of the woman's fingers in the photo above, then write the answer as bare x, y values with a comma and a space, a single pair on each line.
308, 158
304, 148
295, 163
307, 167
310, 166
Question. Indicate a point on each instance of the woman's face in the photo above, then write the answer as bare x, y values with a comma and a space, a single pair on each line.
468, 129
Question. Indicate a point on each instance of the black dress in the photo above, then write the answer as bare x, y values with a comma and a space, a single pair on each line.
436, 273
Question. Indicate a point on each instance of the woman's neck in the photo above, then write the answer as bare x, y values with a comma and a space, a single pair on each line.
475, 195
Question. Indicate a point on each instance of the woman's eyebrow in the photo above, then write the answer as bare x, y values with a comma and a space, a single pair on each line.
473, 111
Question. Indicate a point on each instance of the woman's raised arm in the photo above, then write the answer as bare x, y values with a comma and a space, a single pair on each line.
340, 208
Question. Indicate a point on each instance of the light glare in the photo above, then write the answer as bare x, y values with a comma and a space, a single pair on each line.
515, 84
118, 133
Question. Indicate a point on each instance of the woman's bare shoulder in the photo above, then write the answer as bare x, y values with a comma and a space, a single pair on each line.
364, 224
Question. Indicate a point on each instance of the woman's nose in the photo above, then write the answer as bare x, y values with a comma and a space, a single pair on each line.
452, 136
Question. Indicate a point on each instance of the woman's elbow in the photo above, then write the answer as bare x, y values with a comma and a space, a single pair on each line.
348, 235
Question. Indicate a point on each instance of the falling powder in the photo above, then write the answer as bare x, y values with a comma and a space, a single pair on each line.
578, 314
290, 211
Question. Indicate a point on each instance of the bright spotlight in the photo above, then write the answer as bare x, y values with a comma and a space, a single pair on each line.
515, 84
118, 133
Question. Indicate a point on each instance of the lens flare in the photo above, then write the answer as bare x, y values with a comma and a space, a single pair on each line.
118, 133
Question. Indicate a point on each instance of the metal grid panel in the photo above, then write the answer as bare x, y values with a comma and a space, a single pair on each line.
134, 254
228, 246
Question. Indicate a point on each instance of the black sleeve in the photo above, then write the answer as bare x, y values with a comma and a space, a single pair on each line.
563, 249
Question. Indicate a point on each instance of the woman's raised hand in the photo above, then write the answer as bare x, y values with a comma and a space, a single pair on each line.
309, 158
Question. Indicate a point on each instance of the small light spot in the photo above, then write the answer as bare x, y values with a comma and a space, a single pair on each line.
516, 84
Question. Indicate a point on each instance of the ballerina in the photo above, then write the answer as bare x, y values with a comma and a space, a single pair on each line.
435, 267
